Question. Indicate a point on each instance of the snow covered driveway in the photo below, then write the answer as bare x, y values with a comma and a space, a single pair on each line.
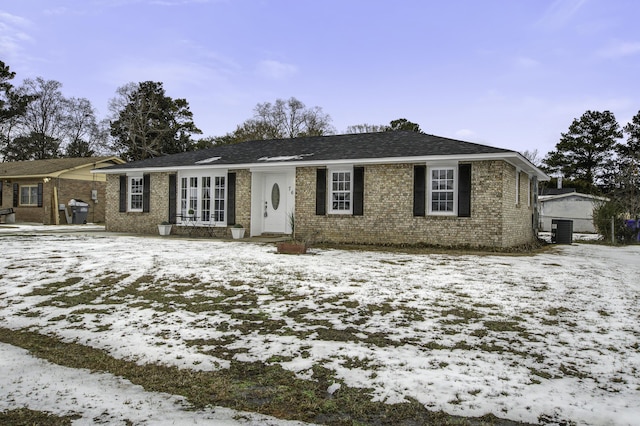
550, 336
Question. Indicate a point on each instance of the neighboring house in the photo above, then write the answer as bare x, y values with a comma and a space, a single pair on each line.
573, 206
36, 189
371, 188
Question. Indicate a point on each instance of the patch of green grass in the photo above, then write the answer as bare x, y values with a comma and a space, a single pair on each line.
555, 311
258, 387
27, 417
463, 315
351, 304
363, 363
53, 288
58, 318
337, 335
502, 326
570, 370
480, 332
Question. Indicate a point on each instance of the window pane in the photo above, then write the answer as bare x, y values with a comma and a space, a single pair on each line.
219, 204
136, 185
205, 206
24, 195
341, 191
442, 189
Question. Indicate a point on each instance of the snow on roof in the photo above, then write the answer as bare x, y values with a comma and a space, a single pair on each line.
285, 157
208, 160
572, 194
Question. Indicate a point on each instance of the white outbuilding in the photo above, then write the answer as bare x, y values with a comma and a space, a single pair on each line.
573, 206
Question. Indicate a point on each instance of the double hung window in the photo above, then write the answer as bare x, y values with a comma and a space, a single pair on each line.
28, 195
341, 190
442, 187
136, 189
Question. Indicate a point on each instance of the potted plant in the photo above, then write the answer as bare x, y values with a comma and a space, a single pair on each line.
293, 246
237, 231
164, 228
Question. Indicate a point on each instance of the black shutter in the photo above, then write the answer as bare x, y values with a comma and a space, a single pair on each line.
16, 194
534, 195
231, 199
173, 197
123, 193
146, 192
358, 191
419, 190
321, 192
464, 190
39, 195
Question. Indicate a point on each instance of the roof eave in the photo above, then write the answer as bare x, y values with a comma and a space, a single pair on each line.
511, 157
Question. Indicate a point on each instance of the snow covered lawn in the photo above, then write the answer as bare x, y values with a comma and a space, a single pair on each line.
530, 338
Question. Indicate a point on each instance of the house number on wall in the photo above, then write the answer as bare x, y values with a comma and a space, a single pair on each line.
275, 196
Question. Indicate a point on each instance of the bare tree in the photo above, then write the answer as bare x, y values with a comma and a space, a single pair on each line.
46, 114
366, 128
51, 124
533, 156
81, 129
290, 119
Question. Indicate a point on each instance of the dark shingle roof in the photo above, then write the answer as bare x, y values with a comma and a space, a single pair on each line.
361, 146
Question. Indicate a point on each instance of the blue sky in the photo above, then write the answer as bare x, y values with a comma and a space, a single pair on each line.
507, 73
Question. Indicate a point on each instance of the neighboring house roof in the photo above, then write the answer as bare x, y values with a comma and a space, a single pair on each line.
51, 168
557, 191
570, 195
383, 147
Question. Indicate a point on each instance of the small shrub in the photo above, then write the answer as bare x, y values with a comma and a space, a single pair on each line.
602, 214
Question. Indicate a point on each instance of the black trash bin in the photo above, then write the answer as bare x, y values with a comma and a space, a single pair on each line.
561, 231
79, 211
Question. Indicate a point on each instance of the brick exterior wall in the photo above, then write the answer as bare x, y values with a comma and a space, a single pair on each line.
138, 222
517, 227
496, 220
243, 199
388, 211
146, 223
67, 189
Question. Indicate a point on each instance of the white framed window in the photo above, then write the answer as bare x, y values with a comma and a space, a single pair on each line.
136, 189
28, 195
341, 191
202, 197
517, 187
193, 196
205, 200
184, 199
219, 198
442, 187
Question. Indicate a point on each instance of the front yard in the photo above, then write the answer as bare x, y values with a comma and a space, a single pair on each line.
544, 338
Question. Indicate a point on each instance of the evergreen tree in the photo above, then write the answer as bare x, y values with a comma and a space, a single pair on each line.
585, 151
148, 123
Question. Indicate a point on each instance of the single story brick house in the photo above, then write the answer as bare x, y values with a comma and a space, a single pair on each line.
36, 189
369, 188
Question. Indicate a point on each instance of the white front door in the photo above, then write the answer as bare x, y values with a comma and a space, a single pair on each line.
275, 203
